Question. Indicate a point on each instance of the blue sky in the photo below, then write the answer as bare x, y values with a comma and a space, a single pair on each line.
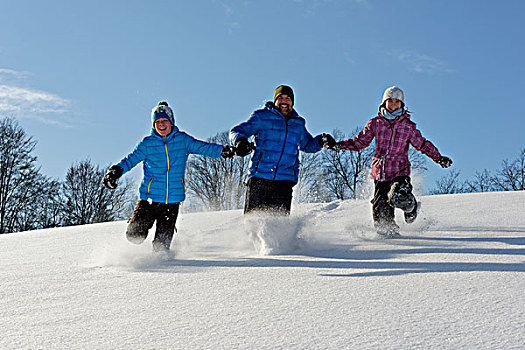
82, 77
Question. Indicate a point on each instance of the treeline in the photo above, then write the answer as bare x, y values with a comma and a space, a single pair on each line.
30, 200
509, 177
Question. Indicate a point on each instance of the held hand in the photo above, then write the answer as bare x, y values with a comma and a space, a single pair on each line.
445, 162
327, 141
113, 174
243, 147
227, 151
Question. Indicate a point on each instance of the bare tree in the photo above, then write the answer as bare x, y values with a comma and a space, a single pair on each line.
482, 182
344, 170
311, 186
86, 201
511, 176
18, 177
44, 208
448, 184
219, 184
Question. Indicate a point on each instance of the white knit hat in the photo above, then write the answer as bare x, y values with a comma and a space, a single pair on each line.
393, 92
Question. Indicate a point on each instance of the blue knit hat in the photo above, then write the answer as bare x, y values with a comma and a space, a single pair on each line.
162, 110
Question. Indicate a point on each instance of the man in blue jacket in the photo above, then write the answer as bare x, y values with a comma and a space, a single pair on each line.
163, 155
278, 134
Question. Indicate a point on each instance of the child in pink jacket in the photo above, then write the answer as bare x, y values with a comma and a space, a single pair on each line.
394, 132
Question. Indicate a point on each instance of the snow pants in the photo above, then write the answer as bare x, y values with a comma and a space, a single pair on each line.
389, 195
143, 217
268, 195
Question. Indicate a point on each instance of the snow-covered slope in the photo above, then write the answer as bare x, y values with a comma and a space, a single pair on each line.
455, 280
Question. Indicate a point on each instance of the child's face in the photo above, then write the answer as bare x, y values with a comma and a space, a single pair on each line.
163, 126
392, 104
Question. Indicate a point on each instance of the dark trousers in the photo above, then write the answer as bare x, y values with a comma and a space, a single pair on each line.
143, 217
389, 195
268, 195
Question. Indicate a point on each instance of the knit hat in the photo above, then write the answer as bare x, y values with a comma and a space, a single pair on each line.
162, 110
283, 90
394, 92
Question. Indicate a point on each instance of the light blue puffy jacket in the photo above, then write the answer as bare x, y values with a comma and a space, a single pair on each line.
277, 143
164, 163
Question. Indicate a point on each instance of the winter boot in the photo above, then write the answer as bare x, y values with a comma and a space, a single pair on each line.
400, 196
410, 216
407, 203
136, 232
160, 247
387, 229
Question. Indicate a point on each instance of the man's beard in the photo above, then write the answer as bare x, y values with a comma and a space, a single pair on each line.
287, 108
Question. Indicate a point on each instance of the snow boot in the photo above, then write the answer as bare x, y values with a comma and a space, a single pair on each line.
402, 200
400, 195
160, 247
387, 229
410, 216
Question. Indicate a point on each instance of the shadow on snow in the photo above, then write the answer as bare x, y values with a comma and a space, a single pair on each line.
342, 257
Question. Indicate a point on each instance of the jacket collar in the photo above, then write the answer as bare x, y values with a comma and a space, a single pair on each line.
173, 132
398, 119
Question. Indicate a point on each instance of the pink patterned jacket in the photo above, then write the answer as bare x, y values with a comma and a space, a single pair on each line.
392, 140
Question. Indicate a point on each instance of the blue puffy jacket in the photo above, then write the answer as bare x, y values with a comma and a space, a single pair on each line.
164, 163
277, 143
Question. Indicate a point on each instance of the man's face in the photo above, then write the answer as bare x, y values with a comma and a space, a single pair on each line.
284, 103
163, 126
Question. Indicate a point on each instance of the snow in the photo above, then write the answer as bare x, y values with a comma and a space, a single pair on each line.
455, 280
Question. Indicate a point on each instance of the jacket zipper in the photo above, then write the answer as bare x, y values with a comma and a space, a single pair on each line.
150, 181
282, 151
387, 150
168, 171
258, 161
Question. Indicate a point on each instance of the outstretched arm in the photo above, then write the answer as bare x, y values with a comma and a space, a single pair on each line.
207, 149
131, 160
126, 164
308, 143
359, 141
424, 146
427, 148
245, 130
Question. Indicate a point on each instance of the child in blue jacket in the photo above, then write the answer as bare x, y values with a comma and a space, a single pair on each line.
163, 154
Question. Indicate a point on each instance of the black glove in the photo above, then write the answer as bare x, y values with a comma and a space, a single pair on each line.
227, 151
445, 162
326, 140
110, 179
243, 147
